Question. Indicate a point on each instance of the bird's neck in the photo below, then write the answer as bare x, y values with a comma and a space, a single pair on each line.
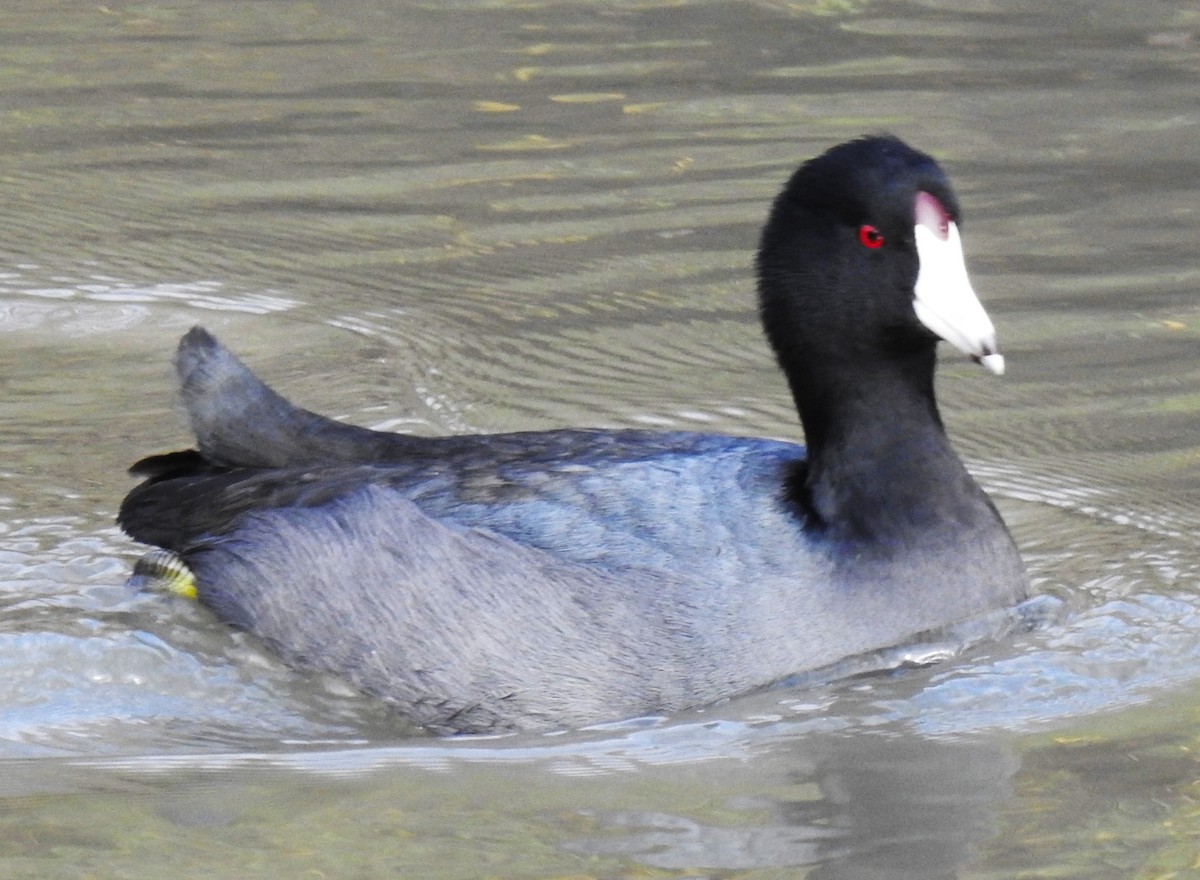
879, 466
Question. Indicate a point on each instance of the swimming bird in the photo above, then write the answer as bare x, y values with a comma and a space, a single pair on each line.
558, 578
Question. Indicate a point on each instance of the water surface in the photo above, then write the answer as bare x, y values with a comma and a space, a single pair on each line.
485, 216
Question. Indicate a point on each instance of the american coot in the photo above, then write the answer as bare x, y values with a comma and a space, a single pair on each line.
559, 578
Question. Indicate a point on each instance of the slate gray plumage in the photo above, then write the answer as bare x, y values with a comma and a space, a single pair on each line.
557, 578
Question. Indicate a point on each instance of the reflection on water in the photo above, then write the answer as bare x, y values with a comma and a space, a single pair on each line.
891, 809
490, 216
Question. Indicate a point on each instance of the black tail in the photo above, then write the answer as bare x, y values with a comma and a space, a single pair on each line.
242, 428
240, 422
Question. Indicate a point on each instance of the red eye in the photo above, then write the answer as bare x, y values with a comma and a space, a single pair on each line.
870, 237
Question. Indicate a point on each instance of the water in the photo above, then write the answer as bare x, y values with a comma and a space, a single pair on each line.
479, 216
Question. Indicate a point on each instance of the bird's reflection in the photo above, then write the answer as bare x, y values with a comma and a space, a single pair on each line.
883, 807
